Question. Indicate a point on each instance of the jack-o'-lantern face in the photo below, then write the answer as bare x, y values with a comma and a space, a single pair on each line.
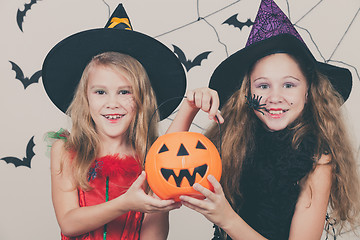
178, 160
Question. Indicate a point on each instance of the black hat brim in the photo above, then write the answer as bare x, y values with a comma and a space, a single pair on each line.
64, 64
228, 76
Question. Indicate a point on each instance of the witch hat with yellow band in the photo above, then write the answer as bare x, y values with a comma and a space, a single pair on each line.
272, 32
119, 19
64, 64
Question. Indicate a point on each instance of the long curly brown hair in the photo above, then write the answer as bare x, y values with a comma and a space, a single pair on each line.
322, 116
83, 140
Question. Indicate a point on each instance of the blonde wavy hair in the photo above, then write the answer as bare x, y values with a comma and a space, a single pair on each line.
322, 116
83, 140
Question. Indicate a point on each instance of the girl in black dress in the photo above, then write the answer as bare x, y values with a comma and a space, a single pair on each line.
287, 161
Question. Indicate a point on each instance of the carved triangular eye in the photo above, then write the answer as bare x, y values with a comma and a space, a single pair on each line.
199, 145
182, 151
163, 149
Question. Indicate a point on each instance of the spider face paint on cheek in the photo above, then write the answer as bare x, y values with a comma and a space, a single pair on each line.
254, 103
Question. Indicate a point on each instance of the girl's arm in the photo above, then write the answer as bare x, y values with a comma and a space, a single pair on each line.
310, 212
155, 226
75, 220
215, 207
218, 210
309, 216
205, 99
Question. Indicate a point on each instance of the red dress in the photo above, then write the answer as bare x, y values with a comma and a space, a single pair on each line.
110, 177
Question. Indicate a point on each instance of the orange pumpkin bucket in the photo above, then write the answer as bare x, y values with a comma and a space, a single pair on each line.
178, 160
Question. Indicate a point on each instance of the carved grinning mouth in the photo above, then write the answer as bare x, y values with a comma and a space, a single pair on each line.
184, 173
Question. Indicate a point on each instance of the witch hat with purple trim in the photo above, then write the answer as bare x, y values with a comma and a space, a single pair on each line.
64, 64
272, 32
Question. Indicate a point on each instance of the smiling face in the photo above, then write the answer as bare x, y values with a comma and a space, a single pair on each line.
111, 102
278, 79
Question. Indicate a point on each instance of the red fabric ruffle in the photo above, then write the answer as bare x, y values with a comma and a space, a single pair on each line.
113, 165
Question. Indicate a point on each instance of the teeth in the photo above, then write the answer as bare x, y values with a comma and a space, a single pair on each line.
185, 183
112, 116
172, 180
275, 112
176, 171
198, 178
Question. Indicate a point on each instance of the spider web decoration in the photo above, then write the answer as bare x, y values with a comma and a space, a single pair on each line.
269, 22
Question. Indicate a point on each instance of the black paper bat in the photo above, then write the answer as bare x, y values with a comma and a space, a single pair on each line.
21, 14
236, 23
25, 80
26, 161
188, 63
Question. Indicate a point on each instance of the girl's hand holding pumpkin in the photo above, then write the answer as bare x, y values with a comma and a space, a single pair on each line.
135, 199
214, 207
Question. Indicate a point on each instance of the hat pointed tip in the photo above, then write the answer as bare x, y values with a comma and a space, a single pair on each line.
119, 19
270, 21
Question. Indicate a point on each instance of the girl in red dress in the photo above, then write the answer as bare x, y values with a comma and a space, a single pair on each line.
96, 168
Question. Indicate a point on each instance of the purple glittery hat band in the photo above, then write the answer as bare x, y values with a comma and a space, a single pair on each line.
269, 22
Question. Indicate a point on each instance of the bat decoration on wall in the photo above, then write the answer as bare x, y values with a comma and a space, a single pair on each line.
26, 161
21, 14
25, 80
236, 23
188, 63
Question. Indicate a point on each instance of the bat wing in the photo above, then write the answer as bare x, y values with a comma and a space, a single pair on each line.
182, 57
20, 18
180, 54
236, 23
197, 61
249, 23
21, 14
19, 73
34, 78
26, 160
232, 21
29, 153
16, 161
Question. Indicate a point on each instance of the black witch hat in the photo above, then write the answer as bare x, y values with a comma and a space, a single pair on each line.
64, 64
272, 32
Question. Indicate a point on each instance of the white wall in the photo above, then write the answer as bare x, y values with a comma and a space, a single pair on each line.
25, 202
